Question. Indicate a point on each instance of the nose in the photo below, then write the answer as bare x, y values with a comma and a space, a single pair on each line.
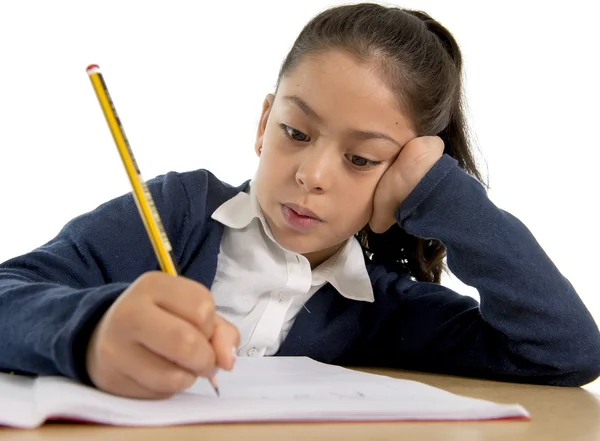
317, 169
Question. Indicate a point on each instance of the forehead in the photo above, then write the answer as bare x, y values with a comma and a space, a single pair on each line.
339, 87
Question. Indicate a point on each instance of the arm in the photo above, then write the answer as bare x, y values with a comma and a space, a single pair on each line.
52, 297
530, 326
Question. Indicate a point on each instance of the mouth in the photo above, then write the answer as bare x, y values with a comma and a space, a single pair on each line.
304, 212
299, 218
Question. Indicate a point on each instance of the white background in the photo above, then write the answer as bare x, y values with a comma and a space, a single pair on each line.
188, 80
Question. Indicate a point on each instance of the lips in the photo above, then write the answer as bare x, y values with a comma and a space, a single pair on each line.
298, 218
303, 211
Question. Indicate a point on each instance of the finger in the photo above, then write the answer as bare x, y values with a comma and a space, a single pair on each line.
189, 300
124, 386
174, 339
375, 225
152, 373
379, 224
225, 342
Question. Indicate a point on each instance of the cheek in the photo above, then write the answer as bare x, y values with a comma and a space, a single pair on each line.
358, 207
272, 174
271, 167
275, 161
273, 138
364, 210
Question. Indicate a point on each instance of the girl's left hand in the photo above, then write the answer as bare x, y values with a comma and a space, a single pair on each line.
416, 158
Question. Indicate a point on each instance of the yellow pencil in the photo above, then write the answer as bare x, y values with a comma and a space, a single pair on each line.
143, 198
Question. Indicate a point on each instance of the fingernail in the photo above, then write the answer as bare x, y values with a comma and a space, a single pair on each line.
234, 352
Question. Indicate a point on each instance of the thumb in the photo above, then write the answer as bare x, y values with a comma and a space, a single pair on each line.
225, 342
378, 225
382, 218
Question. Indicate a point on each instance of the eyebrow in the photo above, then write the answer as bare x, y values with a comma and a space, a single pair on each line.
358, 134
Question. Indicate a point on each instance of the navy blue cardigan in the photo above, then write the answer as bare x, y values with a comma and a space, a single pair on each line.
530, 325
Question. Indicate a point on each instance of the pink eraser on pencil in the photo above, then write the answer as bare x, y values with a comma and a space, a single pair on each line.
92, 68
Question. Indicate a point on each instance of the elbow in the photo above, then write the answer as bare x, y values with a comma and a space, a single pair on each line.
577, 378
581, 368
572, 364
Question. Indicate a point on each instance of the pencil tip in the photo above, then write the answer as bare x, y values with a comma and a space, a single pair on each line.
217, 391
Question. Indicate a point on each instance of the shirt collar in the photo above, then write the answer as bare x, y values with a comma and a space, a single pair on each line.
345, 270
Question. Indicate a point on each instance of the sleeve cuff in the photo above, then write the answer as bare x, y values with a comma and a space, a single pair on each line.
71, 348
445, 165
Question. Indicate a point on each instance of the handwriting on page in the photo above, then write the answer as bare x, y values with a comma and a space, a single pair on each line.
331, 394
267, 389
293, 379
268, 395
300, 388
314, 395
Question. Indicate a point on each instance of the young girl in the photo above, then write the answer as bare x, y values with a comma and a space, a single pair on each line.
334, 250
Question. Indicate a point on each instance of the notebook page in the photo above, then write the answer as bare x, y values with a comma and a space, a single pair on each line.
273, 389
17, 401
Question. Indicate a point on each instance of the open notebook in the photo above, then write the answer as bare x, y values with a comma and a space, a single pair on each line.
258, 389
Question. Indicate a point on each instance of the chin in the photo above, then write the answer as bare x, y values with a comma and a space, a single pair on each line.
299, 244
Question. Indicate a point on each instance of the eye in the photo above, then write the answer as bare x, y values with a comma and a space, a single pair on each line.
360, 162
294, 134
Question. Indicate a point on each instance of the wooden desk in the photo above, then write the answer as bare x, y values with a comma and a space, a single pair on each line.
569, 414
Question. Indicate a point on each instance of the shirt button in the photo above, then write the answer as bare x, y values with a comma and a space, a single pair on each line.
252, 352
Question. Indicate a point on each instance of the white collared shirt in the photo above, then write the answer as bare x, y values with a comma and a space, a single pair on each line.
260, 287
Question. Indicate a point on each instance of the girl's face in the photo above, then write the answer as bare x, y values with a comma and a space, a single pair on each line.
324, 142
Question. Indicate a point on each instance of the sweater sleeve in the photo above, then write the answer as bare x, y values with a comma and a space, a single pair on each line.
529, 326
52, 298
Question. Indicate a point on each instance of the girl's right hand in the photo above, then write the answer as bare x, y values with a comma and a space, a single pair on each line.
158, 337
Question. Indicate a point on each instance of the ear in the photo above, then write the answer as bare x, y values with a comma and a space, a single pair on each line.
264, 117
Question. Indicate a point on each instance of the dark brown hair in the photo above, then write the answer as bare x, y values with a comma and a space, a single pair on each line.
420, 60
